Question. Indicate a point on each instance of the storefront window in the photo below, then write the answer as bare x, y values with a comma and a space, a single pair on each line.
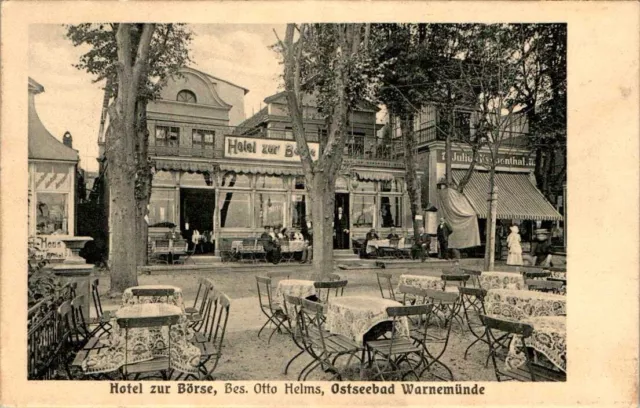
392, 186
364, 207
52, 214
235, 211
391, 211
269, 209
270, 182
162, 206
300, 210
365, 186
231, 179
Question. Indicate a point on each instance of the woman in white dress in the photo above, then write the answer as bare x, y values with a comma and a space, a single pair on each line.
515, 250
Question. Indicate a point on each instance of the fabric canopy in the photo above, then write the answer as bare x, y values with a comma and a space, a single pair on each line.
276, 171
518, 198
455, 208
188, 166
376, 176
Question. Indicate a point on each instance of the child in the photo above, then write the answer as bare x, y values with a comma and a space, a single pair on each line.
515, 250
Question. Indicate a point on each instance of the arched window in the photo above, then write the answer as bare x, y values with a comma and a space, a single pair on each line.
186, 96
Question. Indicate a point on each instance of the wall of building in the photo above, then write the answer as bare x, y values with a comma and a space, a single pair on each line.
233, 96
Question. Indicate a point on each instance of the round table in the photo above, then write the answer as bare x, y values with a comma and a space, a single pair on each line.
519, 304
176, 299
354, 316
301, 288
549, 338
501, 280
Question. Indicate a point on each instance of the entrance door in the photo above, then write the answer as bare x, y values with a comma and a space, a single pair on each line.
196, 214
341, 222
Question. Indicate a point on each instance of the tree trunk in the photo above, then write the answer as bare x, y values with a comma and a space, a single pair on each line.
143, 181
490, 250
413, 186
447, 149
322, 198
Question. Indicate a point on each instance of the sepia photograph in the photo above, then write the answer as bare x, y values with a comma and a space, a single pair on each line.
301, 201
341, 203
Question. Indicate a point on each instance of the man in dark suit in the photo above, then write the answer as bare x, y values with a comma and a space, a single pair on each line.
443, 232
341, 226
422, 245
269, 245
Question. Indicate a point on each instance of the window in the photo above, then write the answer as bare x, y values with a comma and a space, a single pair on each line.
167, 136
269, 209
231, 179
462, 125
52, 214
298, 183
235, 211
270, 182
202, 139
392, 186
364, 207
355, 145
186, 96
300, 211
162, 205
391, 211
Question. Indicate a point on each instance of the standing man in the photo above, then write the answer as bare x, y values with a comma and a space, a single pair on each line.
444, 230
341, 226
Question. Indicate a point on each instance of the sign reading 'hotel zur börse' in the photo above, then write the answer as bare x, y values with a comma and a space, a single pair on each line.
504, 159
265, 149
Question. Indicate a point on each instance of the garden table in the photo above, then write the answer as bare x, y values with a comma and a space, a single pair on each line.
424, 282
519, 304
293, 287
354, 316
501, 280
375, 244
144, 344
294, 246
176, 299
548, 338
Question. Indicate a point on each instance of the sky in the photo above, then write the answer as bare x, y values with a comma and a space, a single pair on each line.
72, 102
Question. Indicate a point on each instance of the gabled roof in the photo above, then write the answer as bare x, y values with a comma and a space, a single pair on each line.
218, 79
42, 144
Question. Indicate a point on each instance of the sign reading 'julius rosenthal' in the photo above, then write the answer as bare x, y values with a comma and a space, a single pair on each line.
265, 149
504, 159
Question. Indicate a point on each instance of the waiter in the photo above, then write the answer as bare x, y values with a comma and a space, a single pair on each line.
341, 226
444, 230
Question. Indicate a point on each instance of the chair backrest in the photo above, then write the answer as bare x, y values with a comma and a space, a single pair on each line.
385, 285
476, 292
409, 292
95, 295
544, 285
162, 244
264, 290
311, 319
80, 328
324, 289
507, 326
147, 321
421, 314
153, 291
217, 316
471, 272
539, 274
455, 279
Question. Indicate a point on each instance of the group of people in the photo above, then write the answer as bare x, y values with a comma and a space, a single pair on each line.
272, 242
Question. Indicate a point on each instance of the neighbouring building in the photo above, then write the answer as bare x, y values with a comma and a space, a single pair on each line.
52, 182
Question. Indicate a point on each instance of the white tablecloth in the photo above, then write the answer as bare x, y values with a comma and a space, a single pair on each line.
176, 299
501, 280
519, 304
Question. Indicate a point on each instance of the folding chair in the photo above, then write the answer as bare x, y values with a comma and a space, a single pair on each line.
446, 306
215, 328
159, 364
324, 289
539, 274
62, 343
295, 329
195, 313
517, 332
472, 302
456, 280
411, 295
87, 346
103, 318
544, 285
323, 347
274, 312
388, 355
153, 293
385, 285
474, 274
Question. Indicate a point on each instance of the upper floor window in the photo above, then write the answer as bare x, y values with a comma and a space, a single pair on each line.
202, 139
167, 136
186, 96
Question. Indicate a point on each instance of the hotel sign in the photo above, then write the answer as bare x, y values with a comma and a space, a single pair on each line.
484, 159
265, 149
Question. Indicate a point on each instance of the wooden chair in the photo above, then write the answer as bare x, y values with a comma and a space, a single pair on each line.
273, 311
86, 345
535, 274
457, 280
518, 332
323, 347
385, 285
474, 274
324, 289
388, 355
195, 314
292, 305
62, 343
472, 303
544, 285
159, 364
103, 318
185, 254
153, 292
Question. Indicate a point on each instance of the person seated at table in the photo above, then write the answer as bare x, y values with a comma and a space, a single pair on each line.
422, 245
269, 244
372, 235
173, 234
542, 250
296, 235
393, 234
282, 234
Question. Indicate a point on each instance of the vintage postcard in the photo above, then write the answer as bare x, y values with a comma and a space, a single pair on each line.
319, 203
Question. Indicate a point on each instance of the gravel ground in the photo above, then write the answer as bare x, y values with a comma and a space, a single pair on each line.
247, 357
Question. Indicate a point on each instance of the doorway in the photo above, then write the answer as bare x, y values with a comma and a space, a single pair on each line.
341, 222
196, 214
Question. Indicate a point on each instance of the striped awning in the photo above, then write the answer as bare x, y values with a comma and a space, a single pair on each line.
188, 166
272, 171
518, 198
374, 175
